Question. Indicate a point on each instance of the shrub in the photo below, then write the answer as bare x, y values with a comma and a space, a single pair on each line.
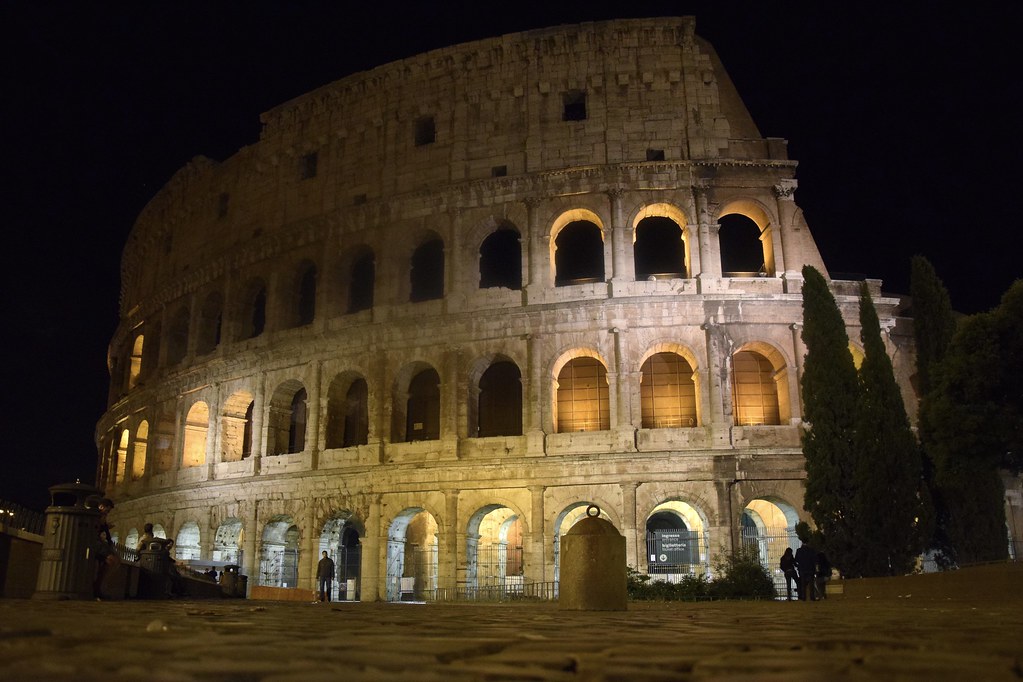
742, 576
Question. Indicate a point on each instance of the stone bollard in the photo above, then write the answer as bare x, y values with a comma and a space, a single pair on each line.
593, 570
70, 538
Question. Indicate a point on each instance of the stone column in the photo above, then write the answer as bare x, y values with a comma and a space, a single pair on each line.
213, 431
707, 230
448, 560
718, 385
536, 569
629, 529
309, 555
533, 397
784, 193
538, 248
313, 439
259, 410
372, 558
622, 265
250, 544
799, 353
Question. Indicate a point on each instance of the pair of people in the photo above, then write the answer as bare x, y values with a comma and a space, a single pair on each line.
809, 569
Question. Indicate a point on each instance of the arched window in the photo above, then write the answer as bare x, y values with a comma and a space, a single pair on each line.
659, 250
742, 251
253, 311
347, 413
197, 424
422, 421
583, 402
135, 362
754, 390
177, 338
303, 296
286, 419
579, 254
667, 392
236, 427
360, 284
296, 431
138, 458
211, 317
426, 277
500, 401
501, 260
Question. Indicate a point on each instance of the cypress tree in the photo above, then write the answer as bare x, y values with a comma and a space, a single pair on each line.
830, 388
933, 321
890, 500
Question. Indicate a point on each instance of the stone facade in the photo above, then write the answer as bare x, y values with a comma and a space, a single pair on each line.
443, 306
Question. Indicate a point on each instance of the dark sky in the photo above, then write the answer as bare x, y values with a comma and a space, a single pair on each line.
904, 122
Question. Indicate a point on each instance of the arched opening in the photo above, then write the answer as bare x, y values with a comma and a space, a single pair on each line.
186, 545
236, 427
347, 412
211, 317
361, 281
287, 419
122, 457
138, 455
412, 558
659, 250
253, 311
579, 254
422, 421
426, 276
745, 247
676, 542
857, 354
340, 539
177, 337
493, 550
131, 540
135, 362
667, 392
501, 259
278, 558
569, 516
227, 542
582, 400
303, 296
197, 424
767, 527
754, 390
500, 401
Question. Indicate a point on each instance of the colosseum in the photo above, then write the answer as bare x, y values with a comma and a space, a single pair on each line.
442, 307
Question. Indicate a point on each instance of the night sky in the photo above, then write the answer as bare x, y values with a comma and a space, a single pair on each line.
905, 124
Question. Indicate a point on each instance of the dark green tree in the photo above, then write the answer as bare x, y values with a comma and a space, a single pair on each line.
972, 425
933, 320
890, 500
830, 387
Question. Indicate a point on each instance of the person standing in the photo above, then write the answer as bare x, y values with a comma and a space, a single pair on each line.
325, 573
788, 568
806, 564
823, 575
104, 551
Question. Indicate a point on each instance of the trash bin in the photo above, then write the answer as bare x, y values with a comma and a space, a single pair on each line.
155, 562
242, 587
67, 566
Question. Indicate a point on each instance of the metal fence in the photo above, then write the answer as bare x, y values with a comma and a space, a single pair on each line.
510, 591
13, 516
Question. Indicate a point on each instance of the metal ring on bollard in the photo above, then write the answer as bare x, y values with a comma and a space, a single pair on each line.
594, 508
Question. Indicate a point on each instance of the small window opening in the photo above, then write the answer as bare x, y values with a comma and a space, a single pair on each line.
655, 155
222, 204
574, 102
307, 165
498, 171
358, 200
426, 131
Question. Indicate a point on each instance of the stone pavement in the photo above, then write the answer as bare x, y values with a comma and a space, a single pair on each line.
891, 637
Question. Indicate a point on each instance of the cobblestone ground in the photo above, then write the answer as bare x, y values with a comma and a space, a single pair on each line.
861, 639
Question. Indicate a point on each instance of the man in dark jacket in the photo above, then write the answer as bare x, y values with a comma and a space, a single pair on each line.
806, 564
325, 573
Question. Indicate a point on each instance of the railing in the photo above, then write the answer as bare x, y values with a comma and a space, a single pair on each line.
127, 554
16, 517
541, 591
